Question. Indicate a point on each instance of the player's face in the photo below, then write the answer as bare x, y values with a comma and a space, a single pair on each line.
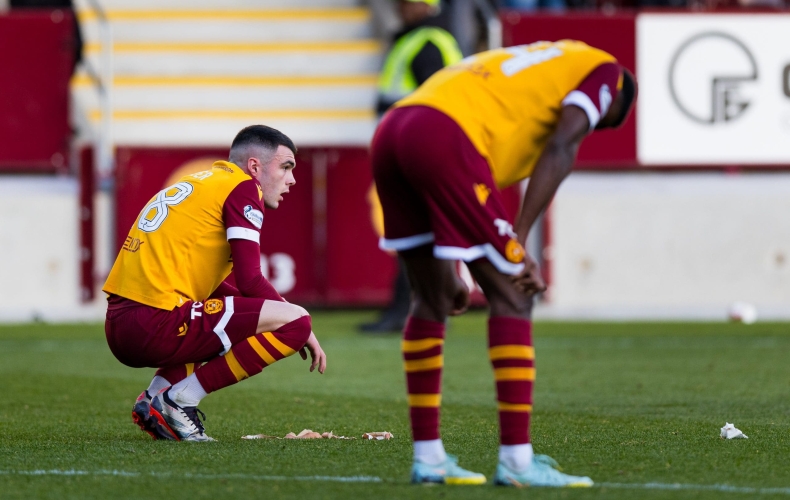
277, 176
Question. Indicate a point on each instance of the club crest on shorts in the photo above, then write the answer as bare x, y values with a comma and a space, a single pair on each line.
254, 216
514, 252
213, 306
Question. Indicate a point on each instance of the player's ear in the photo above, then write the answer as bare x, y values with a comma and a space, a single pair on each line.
253, 165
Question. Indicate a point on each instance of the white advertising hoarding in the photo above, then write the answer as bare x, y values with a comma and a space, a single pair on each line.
713, 89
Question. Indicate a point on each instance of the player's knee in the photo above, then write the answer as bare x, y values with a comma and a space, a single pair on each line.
275, 314
297, 331
514, 304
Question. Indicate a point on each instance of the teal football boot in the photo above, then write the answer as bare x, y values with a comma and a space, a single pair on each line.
447, 472
542, 472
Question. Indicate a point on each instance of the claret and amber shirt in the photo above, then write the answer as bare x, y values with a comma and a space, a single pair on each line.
508, 101
178, 248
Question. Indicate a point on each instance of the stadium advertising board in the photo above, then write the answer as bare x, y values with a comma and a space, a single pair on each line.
714, 89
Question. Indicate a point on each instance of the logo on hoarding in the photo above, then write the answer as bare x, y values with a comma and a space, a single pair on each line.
708, 75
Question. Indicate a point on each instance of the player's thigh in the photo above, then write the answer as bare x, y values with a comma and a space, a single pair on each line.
205, 329
274, 314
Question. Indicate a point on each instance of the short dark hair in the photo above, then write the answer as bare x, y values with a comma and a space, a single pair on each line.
629, 95
261, 135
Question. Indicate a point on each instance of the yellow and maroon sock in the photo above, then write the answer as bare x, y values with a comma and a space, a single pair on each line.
513, 357
423, 361
249, 357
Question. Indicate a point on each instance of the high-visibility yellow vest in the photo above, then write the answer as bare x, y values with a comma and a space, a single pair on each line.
397, 79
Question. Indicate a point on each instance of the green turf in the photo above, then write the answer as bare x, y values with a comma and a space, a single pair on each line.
623, 403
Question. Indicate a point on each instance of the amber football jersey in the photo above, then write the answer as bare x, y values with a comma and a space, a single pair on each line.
508, 101
178, 248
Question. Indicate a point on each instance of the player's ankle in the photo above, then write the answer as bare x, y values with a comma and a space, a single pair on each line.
516, 457
189, 392
429, 452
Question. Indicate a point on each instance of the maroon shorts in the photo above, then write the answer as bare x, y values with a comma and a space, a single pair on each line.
435, 188
143, 336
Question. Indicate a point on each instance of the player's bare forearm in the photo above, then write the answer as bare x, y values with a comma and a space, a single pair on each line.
554, 164
552, 168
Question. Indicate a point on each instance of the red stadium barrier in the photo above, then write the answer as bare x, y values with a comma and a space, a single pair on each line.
37, 57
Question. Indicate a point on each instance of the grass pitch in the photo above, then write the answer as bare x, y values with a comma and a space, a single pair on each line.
635, 406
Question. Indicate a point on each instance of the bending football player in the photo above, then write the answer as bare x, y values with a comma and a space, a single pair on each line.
440, 159
169, 306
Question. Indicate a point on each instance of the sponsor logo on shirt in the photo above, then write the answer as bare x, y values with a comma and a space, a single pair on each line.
132, 244
254, 216
213, 306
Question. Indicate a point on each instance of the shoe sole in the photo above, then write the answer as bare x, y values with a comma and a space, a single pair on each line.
465, 481
454, 481
153, 424
513, 483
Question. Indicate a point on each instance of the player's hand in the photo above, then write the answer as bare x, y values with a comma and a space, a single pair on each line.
317, 354
529, 281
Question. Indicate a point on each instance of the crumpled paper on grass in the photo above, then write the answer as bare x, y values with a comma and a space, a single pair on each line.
377, 436
305, 434
730, 432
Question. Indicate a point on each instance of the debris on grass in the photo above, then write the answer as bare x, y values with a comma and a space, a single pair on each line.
305, 434
730, 432
378, 436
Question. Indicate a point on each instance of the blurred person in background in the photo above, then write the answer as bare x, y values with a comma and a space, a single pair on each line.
530, 5
420, 49
440, 159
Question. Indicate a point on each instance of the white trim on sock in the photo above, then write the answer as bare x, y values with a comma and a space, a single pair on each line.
516, 457
429, 452
157, 384
188, 392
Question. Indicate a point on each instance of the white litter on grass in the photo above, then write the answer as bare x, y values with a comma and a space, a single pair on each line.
168, 475
724, 488
730, 432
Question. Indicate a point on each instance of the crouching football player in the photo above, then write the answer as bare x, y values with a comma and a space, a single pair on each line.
169, 306
439, 160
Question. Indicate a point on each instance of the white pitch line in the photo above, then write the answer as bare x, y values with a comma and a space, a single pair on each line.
188, 475
697, 487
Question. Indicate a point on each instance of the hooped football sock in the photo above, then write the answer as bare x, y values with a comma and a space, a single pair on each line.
250, 356
171, 375
188, 392
157, 384
422, 361
516, 457
513, 358
429, 452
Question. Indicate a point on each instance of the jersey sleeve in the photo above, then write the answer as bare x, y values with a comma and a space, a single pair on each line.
242, 212
596, 93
